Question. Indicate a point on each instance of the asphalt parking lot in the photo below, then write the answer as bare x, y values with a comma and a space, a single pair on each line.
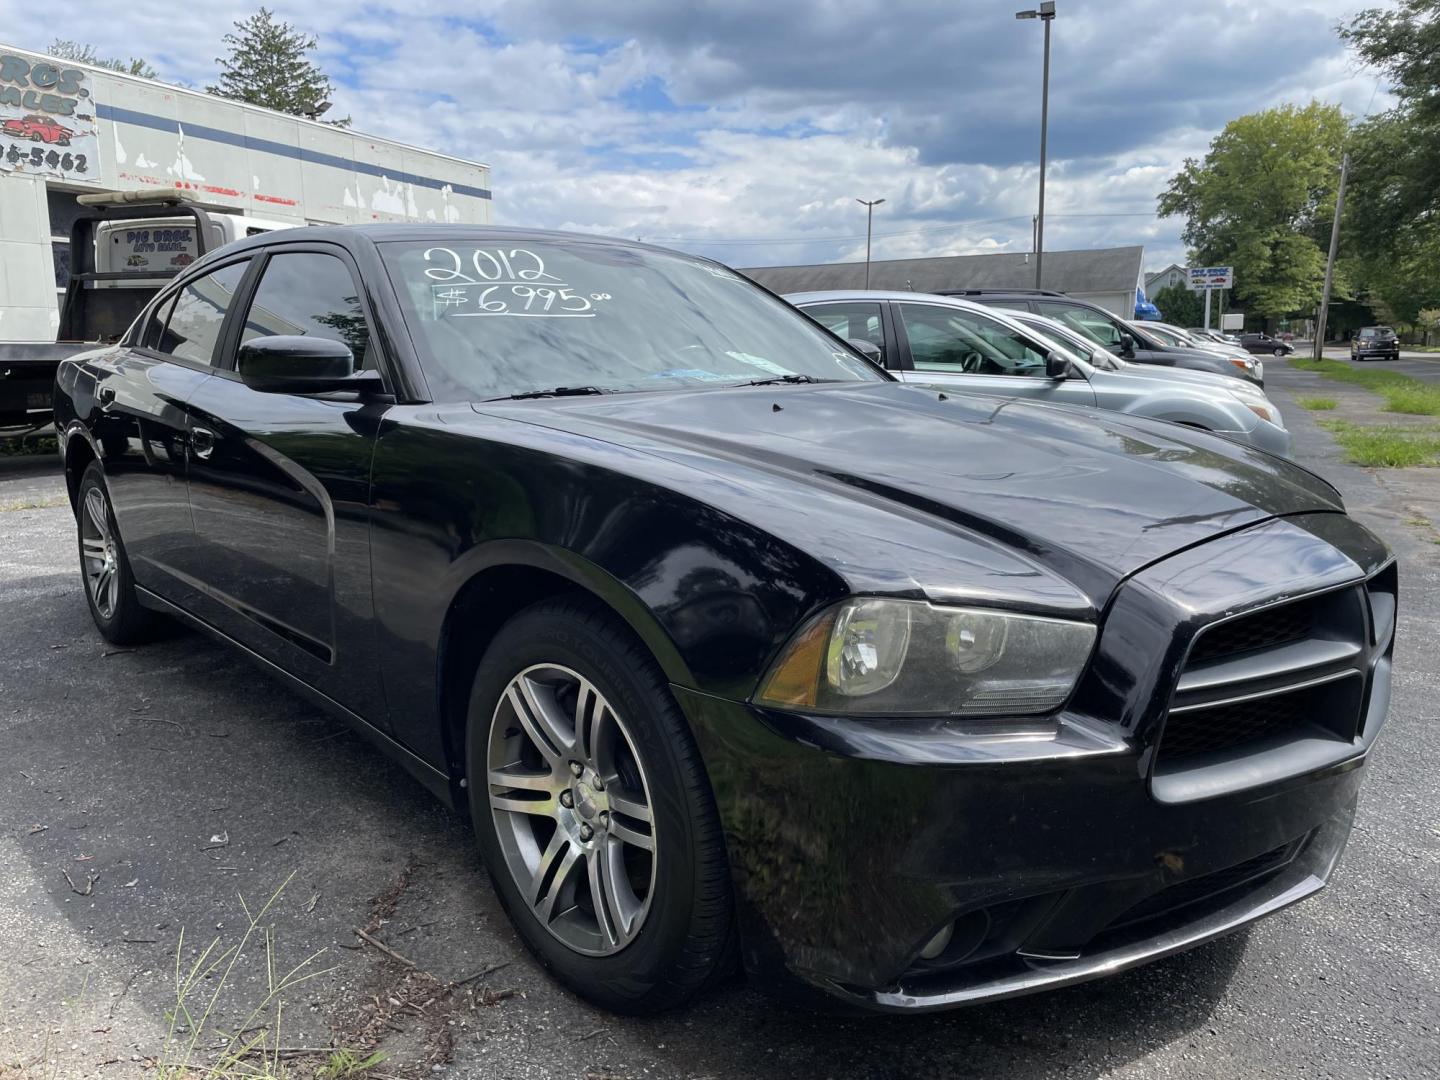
143, 792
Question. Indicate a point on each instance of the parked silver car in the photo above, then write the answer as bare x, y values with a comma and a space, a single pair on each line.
1184, 339
956, 344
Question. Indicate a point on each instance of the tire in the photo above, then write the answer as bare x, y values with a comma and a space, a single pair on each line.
1278, 353
105, 568
664, 928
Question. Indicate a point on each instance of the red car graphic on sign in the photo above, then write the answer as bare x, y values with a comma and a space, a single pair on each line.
39, 129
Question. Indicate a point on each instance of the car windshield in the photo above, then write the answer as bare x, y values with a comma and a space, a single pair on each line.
1377, 332
495, 318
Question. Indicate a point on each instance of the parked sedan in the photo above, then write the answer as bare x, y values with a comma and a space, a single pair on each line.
1375, 343
732, 646
1217, 336
956, 344
1260, 344
1176, 338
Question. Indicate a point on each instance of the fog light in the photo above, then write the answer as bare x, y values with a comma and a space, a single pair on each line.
938, 943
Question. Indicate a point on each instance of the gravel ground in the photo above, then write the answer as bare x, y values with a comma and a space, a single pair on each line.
180, 780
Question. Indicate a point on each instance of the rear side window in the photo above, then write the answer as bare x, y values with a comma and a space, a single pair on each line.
860, 321
1094, 325
192, 331
310, 293
154, 330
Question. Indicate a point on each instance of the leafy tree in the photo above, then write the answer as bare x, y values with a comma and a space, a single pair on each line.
1180, 306
268, 66
1262, 200
85, 54
1392, 207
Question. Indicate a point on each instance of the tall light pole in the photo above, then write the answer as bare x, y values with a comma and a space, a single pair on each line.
869, 219
1330, 262
1046, 14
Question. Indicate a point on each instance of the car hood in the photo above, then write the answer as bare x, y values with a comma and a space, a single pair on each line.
1188, 377
1094, 497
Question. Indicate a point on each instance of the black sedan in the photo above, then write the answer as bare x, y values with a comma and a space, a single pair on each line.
734, 649
1265, 345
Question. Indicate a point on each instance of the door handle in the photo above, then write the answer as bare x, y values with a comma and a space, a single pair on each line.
202, 442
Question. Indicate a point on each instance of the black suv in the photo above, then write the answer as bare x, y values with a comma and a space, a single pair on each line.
1375, 343
1126, 340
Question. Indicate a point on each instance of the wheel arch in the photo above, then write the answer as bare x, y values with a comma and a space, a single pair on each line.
500, 580
79, 453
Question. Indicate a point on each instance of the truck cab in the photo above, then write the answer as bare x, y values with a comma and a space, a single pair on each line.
124, 247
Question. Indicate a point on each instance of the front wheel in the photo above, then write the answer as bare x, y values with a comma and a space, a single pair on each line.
593, 812
1279, 352
109, 584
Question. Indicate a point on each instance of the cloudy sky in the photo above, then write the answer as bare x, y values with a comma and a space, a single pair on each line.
745, 129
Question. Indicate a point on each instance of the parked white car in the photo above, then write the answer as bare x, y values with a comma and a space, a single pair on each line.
959, 345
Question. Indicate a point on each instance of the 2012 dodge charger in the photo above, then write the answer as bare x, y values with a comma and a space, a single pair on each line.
730, 645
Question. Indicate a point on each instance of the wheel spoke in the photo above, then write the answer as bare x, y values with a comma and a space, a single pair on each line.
95, 509
555, 866
632, 806
102, 589
94, 548
623, 832
590, 710
521, 779
112, 590
535, 711
615, 916
519, 804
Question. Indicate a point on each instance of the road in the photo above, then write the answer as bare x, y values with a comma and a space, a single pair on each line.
1419, 365
169, 780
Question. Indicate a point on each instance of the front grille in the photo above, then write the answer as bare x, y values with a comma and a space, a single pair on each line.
1263, 630
1207, 730
1284, 672
1210, 886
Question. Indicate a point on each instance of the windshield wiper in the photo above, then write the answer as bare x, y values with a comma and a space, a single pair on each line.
558, 391
772, 381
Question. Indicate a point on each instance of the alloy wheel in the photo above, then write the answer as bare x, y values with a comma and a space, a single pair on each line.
572, 809
100, 553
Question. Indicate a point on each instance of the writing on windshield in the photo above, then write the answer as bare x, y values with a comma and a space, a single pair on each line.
502, 282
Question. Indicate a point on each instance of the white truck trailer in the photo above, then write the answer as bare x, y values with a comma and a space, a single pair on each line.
67, 130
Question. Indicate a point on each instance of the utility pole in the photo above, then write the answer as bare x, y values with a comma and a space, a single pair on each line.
1046, 14
869, 219
1330, 262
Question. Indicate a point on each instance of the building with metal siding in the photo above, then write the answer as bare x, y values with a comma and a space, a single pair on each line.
68, 128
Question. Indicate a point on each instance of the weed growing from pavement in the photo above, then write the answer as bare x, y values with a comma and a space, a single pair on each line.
254, 1049
44, 1064
1317, 404
1386, 447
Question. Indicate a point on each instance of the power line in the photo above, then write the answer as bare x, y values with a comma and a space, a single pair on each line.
812, 239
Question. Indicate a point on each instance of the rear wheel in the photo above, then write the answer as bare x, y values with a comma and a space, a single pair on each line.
593, 813
109, 585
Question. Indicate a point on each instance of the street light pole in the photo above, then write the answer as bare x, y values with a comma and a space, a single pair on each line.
1046, 14
869, 219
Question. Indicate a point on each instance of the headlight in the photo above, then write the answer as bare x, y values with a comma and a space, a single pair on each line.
1244, 364
911, 658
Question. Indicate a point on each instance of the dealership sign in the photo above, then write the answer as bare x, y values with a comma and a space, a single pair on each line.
47, 119
1212, 277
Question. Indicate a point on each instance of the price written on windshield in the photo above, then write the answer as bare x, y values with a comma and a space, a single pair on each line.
499, 282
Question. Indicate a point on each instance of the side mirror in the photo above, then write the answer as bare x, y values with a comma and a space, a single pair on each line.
868, 349
295, 364
1057, 365
1127, 346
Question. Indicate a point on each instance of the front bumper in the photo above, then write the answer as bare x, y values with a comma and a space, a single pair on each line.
1057, 850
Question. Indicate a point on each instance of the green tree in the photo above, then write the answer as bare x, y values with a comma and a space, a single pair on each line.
1180, 306
1261, 201
268, 66
85, 54
1392, 207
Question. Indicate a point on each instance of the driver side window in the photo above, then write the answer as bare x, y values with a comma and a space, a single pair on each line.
955, 341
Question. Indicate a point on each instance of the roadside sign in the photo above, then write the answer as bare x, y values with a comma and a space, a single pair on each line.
1232, 321
1211, 277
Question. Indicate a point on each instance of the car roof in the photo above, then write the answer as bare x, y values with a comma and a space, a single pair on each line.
387, 232
835, 295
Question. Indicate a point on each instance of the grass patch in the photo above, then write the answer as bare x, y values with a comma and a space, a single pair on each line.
1317, 404
1386, 447
42, 502
1402, 393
